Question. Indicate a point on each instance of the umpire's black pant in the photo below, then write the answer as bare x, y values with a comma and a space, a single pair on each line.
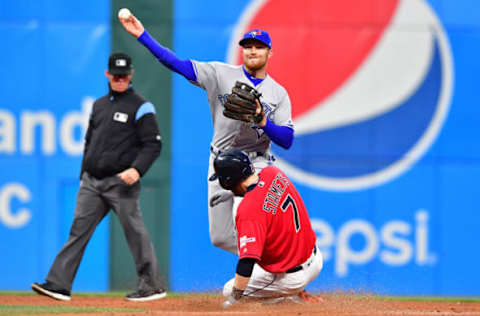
94, 200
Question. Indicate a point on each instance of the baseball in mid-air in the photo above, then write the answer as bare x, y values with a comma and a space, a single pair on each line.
124, 13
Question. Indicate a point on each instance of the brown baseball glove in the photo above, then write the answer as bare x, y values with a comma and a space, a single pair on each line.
243, 104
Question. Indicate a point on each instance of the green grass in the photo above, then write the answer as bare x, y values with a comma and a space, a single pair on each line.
33, 310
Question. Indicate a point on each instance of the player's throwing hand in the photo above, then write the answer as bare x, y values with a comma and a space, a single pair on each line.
132, 25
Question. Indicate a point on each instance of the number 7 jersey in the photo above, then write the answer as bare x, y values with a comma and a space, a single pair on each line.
273, 224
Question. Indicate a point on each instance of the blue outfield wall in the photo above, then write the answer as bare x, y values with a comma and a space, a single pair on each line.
53, 57
392, 191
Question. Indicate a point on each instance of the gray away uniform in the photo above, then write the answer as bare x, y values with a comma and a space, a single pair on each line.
218, 79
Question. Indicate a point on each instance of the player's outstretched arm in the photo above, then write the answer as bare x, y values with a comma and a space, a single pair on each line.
183, 67
132, 25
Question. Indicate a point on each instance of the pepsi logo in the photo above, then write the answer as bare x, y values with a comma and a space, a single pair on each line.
370, 84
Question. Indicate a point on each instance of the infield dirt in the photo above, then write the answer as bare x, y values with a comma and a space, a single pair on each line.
197, 304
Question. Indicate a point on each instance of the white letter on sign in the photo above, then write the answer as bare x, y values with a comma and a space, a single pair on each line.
347, 255
7, 193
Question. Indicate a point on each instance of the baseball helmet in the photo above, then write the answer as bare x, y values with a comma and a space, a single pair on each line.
231, 167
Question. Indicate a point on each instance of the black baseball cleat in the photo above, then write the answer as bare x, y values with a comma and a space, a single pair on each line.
146, 295
51, 290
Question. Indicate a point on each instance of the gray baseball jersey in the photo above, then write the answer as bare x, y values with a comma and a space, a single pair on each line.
218, 79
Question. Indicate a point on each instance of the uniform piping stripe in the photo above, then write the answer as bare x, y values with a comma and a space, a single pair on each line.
145, 108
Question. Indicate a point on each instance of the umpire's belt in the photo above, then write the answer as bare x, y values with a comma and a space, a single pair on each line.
251, 155
305, 264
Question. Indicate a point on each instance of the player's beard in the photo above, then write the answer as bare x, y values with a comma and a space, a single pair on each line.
254, 66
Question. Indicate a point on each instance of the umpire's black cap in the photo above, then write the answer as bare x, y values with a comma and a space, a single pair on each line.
119, 64
231, 167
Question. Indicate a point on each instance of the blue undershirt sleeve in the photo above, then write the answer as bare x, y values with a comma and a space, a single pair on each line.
280, 135
167, 57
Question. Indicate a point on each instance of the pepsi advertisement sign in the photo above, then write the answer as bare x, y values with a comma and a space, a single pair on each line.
385, 153
382, 97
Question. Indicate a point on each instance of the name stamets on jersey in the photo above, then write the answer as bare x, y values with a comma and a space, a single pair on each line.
275, 192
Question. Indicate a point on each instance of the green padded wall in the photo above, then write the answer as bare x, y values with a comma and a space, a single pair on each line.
153, 81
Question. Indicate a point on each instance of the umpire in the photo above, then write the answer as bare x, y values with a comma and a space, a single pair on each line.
121, 143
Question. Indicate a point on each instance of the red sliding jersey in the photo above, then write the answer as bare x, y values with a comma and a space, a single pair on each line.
273, 224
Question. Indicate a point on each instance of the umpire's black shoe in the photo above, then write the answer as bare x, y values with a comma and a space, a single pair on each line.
144, 296
51, 290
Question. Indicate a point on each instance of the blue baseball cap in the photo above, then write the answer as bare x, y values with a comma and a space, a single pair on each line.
259, 35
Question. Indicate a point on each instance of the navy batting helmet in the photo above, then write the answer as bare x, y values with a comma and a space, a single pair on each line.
231, 167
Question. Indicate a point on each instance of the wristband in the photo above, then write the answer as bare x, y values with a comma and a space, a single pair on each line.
237, 293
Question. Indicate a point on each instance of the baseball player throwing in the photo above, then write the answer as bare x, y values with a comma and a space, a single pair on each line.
278, 256
272, 123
